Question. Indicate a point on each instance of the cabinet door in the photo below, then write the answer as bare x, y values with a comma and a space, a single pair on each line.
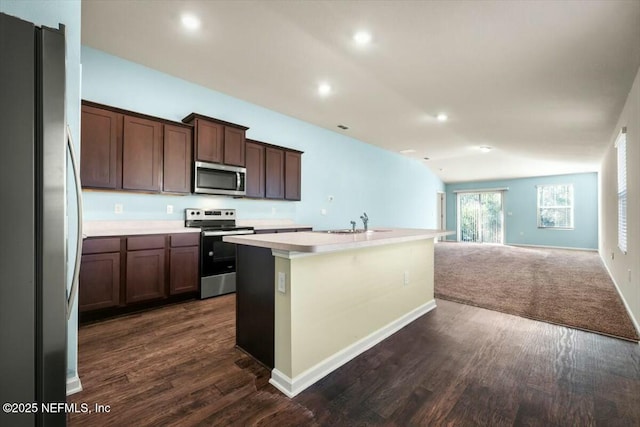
234, 146
183, 266
99, 281
101, 139
255, 170
145, 275
177, 159
209, 139
142, 154
292, 178
274, 169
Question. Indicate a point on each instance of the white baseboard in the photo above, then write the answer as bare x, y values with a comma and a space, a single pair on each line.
551, 247
73, 385
624, 300
293, 386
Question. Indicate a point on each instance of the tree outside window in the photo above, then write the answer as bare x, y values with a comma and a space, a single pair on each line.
555, 206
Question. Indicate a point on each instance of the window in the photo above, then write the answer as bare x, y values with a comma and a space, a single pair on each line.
555, 206
621, 145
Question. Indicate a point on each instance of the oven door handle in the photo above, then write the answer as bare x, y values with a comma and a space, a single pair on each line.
226, 233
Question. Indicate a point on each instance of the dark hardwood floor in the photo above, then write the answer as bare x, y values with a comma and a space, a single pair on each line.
458, 365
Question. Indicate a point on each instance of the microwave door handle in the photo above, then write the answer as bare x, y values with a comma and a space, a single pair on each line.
237, 181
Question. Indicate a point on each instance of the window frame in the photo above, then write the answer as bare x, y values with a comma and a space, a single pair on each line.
570, 207
622, 195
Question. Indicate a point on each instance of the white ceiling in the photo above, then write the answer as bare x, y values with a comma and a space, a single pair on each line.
541, 82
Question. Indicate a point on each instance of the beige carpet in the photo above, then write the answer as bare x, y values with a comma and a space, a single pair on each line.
565, 287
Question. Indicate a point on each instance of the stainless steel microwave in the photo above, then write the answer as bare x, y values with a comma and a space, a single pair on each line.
212, 178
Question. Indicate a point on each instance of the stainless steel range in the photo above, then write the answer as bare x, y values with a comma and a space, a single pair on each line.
217, 258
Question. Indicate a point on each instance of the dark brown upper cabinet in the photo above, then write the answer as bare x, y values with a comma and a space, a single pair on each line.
255, 169
142, 154
209, 141
217, 141
292, 174
234, 146
124, 150
177, 159
274, 173
101, 147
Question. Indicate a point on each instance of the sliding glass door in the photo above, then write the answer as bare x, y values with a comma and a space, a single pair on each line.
480, 217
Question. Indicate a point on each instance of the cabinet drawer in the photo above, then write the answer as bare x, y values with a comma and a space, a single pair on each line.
185, 239
100, 246
145, 242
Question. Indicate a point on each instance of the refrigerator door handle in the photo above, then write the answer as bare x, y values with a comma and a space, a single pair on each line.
76, 268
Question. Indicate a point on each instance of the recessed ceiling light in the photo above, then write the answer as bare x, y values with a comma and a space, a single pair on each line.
442, 117
190, 22
324, 89
485, 148
408, 151
362, 37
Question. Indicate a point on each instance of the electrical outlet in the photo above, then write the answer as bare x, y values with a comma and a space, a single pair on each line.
169, 209
273, 211
282, 284
118, 208
323, 211
406, 277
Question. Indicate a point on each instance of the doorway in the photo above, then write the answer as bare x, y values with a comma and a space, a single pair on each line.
480, 217
441, 214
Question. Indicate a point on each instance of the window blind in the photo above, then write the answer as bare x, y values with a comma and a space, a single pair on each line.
621, 145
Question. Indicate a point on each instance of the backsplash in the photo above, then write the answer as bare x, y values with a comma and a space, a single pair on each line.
100, 205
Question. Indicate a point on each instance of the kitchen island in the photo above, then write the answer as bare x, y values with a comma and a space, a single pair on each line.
309, 302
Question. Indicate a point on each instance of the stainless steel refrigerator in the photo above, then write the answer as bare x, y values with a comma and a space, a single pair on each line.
33, 268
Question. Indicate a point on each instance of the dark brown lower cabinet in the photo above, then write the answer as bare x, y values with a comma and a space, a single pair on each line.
126, 273
183, 265
99, 281
145, 275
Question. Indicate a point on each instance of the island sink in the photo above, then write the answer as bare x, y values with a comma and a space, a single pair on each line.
347, 231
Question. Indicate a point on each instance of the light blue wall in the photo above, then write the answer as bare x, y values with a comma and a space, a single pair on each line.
50, 13
520, 206
392, 189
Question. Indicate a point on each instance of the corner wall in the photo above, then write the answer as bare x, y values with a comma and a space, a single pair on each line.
624, 268
394, 190
520, 210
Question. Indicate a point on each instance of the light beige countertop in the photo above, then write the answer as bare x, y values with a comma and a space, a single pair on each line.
270, 224
127, 228
314, 241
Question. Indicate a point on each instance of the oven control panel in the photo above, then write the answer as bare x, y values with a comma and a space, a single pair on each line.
209, 214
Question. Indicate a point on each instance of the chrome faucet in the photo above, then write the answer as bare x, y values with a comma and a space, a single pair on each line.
365, 221
353, 226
